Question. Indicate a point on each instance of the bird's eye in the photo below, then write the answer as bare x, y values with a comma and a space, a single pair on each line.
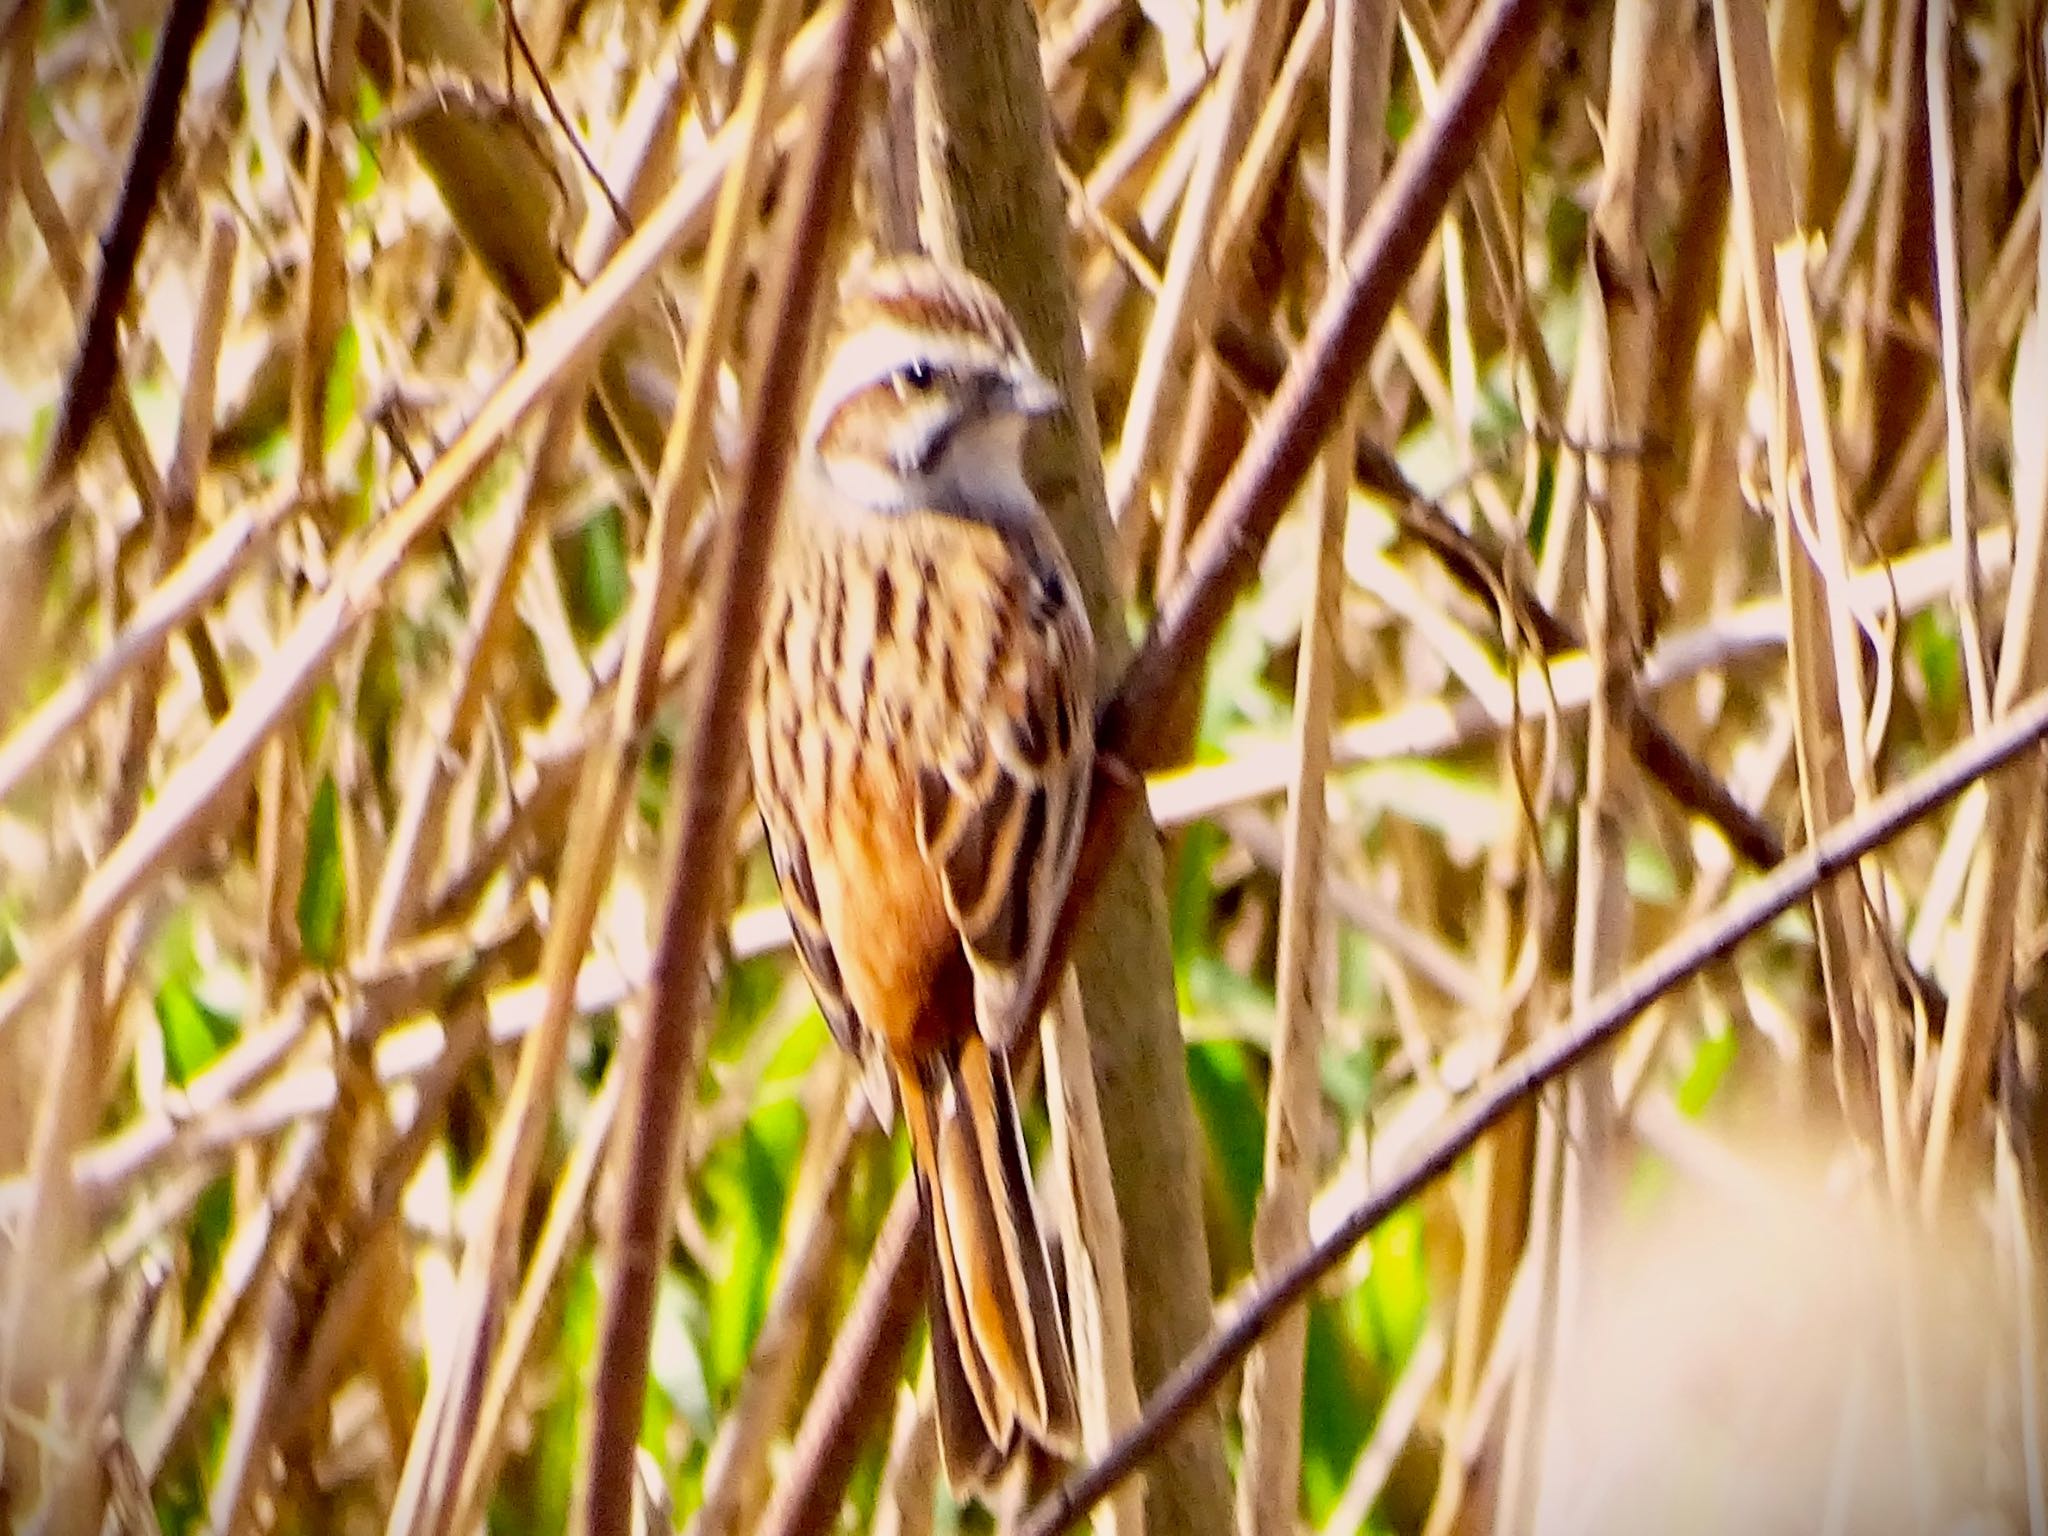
918, 376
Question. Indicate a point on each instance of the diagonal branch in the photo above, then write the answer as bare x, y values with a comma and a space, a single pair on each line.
1306, 408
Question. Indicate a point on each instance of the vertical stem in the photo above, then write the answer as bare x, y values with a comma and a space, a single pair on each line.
992, 203
1268, 1490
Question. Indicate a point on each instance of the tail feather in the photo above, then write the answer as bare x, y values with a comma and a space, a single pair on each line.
1000, 1360
984, 1072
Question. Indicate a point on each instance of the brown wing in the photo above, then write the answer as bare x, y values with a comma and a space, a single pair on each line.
1000, 810
777, 771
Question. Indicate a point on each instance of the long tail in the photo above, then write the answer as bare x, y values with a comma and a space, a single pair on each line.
1000, 1364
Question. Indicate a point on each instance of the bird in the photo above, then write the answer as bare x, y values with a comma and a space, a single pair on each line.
922, 738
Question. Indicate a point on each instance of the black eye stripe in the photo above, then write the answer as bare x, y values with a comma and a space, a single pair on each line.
927, 453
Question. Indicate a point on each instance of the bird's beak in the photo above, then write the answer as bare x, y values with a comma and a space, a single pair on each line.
1032, 395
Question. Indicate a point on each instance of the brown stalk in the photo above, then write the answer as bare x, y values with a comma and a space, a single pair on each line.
991, 202
323, 288
20, 590
437, 1460
1269, 1483
1091, 1239
1895, 375
326, 1336
1242, 252
568, 1207
1837, 850
91, 380
60, 244
1186, 301
677, 993
1576, 1162
1861, 719
1955, 378
911, 1475
79, 1505
1995, 312
245, 1265
1764, 219
1978, 1023
19, 28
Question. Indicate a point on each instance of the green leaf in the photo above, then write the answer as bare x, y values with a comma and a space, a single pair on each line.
596, 571
1336, 1410
675, 1364
193, 1037
747, 1183
1648, 873
199, 1004
323, 894
1711, 1060
342, 390
1938, 659
1387, 1313
1224, 1098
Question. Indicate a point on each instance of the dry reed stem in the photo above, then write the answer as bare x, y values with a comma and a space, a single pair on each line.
910, 1477
94, 364
853, 1393
1955, 378
323, 286
1827, 545
736, 1469
710, 795
1765, 219
1268, 1492
1978, 1021
568, 1208
1188, 288
1098, 1302
60, 244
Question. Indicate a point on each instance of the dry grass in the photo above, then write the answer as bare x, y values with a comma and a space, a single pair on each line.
352, 704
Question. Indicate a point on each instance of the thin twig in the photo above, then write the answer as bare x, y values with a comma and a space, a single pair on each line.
156, 135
